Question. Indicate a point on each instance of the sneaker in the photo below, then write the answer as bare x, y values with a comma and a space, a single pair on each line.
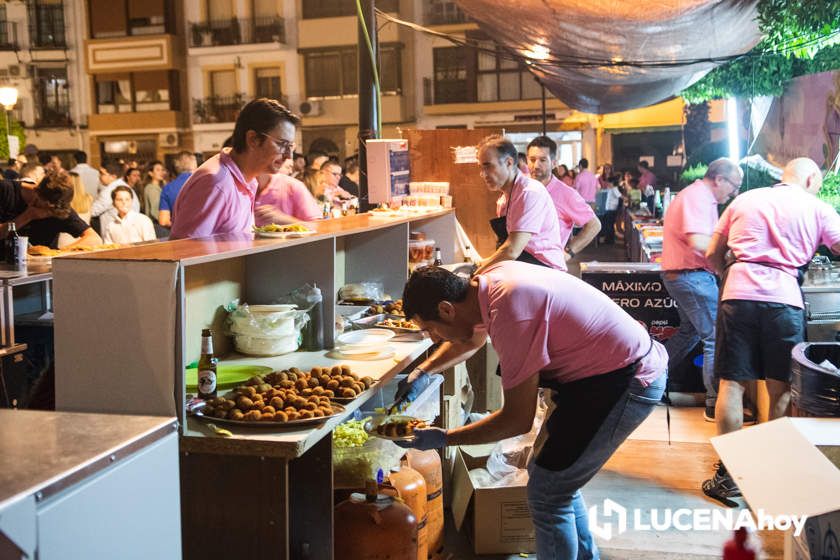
721, 487
709, 415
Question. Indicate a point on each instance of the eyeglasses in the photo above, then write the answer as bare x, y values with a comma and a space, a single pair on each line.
735, 185
284, 146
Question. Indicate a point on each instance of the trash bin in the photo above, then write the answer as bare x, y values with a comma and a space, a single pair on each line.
815, 388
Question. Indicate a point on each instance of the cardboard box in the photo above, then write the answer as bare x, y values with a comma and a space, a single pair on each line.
791, 466
497, 519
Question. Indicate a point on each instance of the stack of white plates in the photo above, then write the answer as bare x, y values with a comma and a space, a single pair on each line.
366, 344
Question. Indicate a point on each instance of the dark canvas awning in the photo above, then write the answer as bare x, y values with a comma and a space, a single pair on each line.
658, 47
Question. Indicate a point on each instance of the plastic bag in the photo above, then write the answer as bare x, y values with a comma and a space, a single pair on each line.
508, 461
364, 291
263, 321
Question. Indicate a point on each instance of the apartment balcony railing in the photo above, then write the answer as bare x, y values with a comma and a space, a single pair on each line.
53, 117
234, 31
444, 12
8, 36
217, 108
46, 26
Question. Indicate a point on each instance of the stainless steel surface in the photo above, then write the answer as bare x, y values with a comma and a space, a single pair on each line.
43, 452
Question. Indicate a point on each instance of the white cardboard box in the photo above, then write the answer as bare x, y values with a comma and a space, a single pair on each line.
791, 466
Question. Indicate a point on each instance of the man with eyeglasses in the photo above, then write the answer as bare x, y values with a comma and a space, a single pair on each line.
331, 191
771, 233
687, 276
220, 196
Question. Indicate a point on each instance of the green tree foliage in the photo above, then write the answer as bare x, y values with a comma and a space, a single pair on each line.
799, 38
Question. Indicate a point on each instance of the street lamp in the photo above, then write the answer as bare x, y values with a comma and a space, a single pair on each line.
8, 98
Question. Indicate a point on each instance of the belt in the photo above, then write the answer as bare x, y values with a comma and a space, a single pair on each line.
684, 270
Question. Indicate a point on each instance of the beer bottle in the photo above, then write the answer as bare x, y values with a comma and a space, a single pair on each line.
438, 260
11, 246
207, 367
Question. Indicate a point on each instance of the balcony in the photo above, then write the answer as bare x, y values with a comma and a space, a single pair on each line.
46, 26
234, 31
218, 108
8, 36
443, 12
51, 117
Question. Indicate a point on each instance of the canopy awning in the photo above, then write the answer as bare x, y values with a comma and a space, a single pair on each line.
604, 56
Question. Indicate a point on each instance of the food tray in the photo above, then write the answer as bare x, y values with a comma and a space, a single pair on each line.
371, 425
371, 323
339, 409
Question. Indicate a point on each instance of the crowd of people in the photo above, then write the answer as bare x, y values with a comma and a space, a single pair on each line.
130, 201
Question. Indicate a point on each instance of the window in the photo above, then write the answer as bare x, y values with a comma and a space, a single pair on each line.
120, 18
336, 8
466, 74
52, 99
267, 83
46, 24
223, 83
331, 73
8, 31
137, 92
450, 65
334, 73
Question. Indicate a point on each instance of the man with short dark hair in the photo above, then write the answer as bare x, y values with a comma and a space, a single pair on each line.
220, 196
526, 224
350, 180
550, 330
12, 172
89, 175
185, 164
572, 210
110, 176
586, 183
330, 184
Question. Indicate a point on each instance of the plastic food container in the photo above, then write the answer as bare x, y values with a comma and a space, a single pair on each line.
267, 346
421, 250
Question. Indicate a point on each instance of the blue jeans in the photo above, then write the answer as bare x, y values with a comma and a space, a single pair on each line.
696, 294
554, 498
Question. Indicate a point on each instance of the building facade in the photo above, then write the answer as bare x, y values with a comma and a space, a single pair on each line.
135, 58
41, 55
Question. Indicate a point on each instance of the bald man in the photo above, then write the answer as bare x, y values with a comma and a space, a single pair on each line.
771, 232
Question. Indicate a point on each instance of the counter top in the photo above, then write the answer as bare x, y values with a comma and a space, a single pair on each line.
290, 443
43, 452
196, 251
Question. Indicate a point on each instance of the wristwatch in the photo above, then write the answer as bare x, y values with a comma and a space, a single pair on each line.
569, 250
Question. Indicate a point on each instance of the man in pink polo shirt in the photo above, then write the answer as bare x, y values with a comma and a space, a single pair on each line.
526, 225
586, 183
550, 330
572, 210
219, 196
282, 199
689, 224
771, 232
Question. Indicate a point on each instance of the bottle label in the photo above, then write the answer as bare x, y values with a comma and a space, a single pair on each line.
206, 382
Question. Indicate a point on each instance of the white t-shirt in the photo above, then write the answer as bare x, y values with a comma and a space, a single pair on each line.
133, 228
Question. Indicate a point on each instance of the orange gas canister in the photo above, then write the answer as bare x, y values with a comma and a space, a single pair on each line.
427, 463
379, 528
410, 486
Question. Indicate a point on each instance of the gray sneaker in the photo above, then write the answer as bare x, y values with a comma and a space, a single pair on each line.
721, 487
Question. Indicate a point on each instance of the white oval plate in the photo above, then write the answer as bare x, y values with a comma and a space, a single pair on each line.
365, 337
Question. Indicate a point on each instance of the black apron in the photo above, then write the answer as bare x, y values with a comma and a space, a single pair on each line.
499, 227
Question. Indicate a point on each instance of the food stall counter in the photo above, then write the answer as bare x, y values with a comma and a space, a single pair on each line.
274, 440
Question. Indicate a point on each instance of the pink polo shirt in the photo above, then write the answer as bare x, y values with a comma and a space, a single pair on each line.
541, 320
215, 199
572, 210
693, 212
586, 183
289, 196
781, 225
531, 210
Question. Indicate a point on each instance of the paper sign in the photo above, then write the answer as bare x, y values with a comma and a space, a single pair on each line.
14, 146
465, 154
648, 159
675, 161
